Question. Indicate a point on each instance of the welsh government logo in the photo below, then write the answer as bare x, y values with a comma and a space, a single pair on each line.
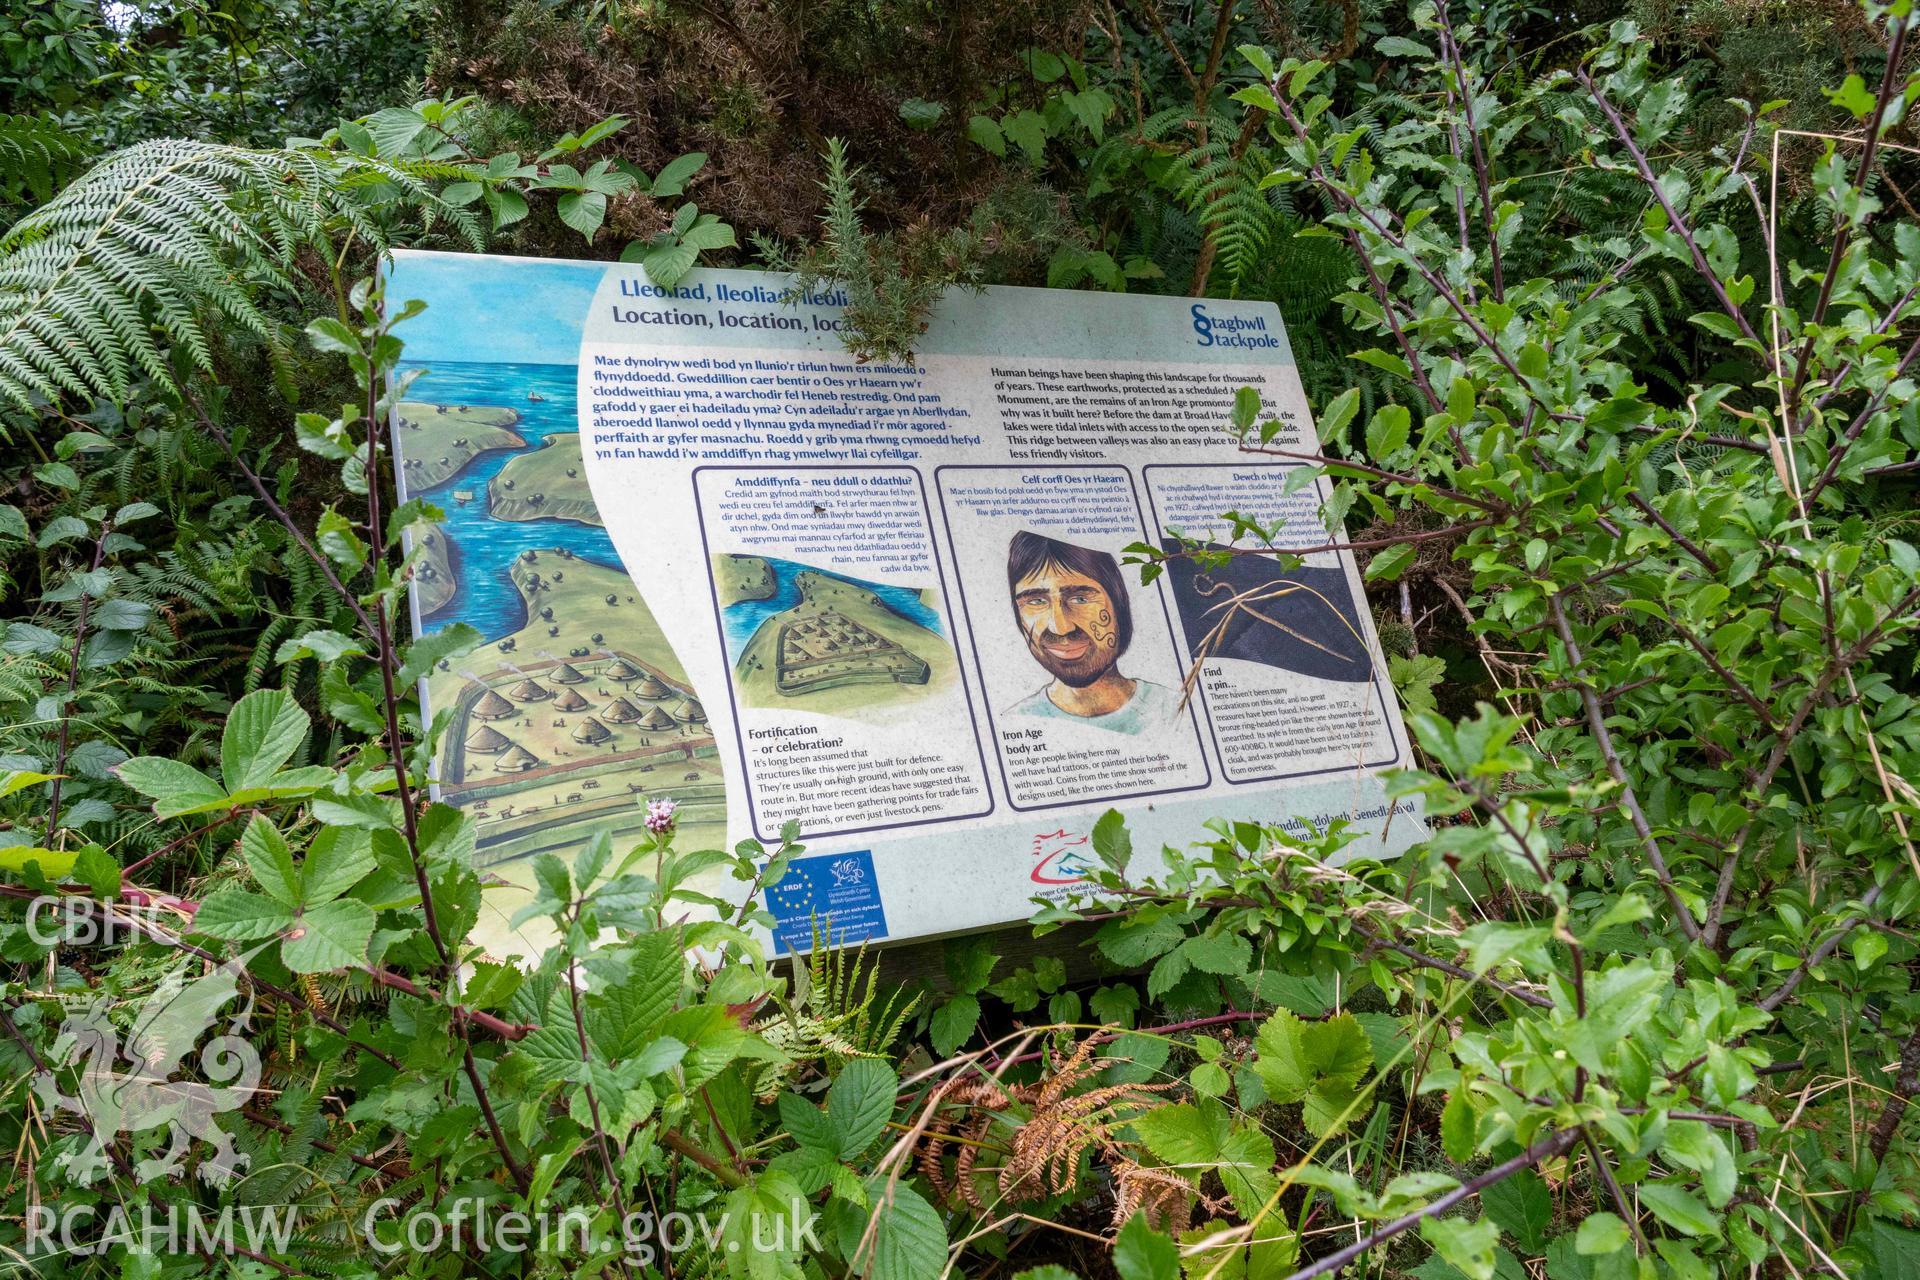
847, 872
131, 1087
1060, 858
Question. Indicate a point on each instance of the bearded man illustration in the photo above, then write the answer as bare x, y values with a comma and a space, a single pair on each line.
1072, 608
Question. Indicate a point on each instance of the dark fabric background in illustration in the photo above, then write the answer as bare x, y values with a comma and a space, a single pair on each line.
1199, 590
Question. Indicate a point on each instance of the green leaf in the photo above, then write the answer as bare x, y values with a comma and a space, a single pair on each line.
1112, 842
1601, 1233
674, 175
173, 787
330, 936
1141, 1253
986, 132
1028, 130
1338, 413
1318, 1064
1401, 47
271, 862
240, 916
1853, 97
60, 529
1391, 562
1679, 1209
859, 1104
773, 1197
1192, 1139
94, 867
1388, 432
584, 211
342, 544
53, 864
969, 964
1459, 1127
953, 1023
1467, 1245
1223, 954
667, 264
338, 859
910, 1240
20, 780
705, 235
919, 113
1522, 1207
263, 731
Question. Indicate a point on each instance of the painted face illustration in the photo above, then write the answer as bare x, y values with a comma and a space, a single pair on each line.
1069, 623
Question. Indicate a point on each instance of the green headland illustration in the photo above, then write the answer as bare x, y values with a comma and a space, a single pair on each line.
437, 441
804, 638
548, 483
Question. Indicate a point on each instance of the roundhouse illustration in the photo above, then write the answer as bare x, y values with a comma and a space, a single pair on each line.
656, 718
591, 730
652, 687
570, 700
689, 711
518, 760
620, 711
487, 740
567, 673
492, 707
530, 690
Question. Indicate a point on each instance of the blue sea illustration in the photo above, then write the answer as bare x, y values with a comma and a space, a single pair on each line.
485, 548
742, 619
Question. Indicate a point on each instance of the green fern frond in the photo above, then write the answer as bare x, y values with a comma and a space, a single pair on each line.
156, 239
36, 157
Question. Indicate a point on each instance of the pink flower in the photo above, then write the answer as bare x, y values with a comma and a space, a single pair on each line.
660, 817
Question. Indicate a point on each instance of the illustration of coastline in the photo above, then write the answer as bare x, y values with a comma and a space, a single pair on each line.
802, 637
576, 710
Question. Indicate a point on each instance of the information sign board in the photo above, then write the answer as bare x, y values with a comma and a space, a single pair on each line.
717, 560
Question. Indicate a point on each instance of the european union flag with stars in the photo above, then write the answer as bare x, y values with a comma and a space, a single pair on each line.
835, 893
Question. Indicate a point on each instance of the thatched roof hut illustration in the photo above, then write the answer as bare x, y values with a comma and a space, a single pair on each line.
492, 707
591, 730
653, 687
488, 740
656, 718
518, 760
530, 690
567, 673
622, 670
620, 711
689, 711
570, 700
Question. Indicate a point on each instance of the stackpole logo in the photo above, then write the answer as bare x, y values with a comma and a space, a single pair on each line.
1230, 331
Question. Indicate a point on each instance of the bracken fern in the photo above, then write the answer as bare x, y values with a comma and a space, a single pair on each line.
161, 235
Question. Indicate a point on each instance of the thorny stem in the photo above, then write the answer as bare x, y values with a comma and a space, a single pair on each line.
1605, 1171
1378, 473
1679, 224
593, 1095
73, 683
1545, 1149
1845, 443
1451, 48
1597, 723
1843, 235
